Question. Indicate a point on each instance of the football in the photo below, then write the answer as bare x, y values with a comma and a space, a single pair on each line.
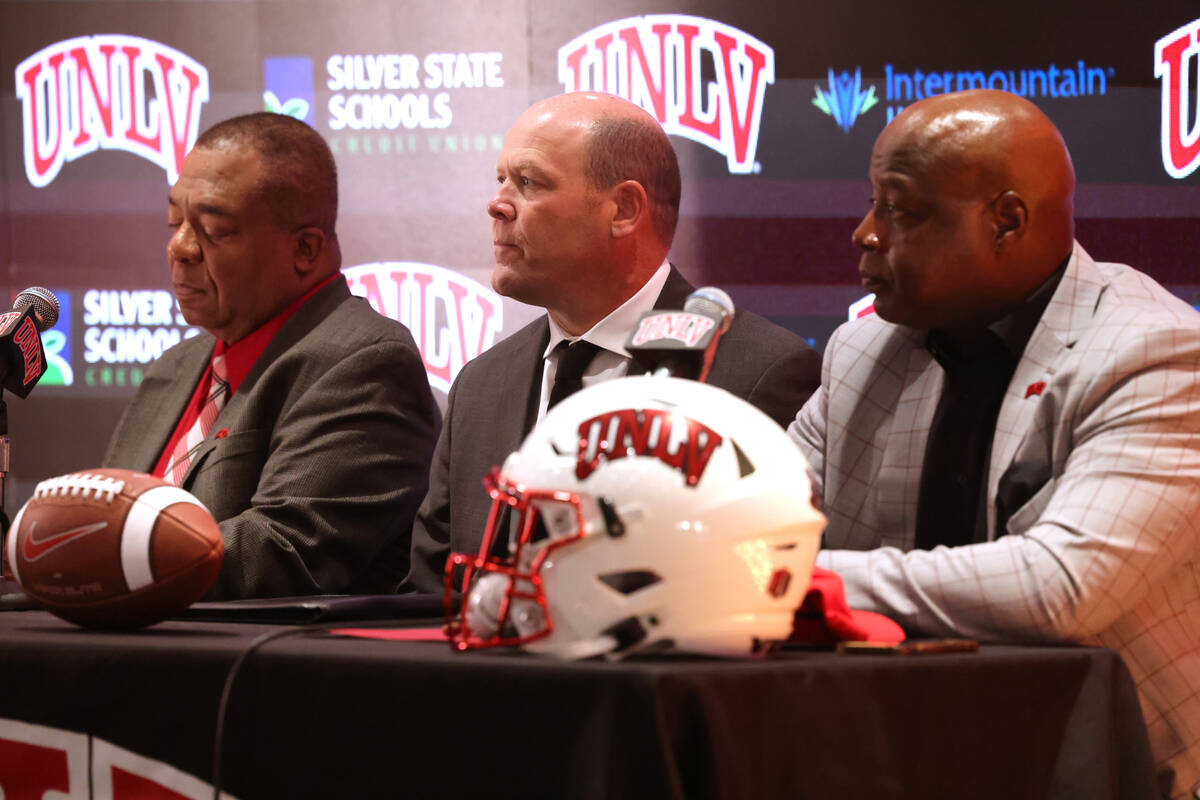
112, 548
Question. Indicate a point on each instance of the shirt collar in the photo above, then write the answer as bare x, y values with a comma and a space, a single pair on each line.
241, 355
1016, 328
612, 332
1011, 332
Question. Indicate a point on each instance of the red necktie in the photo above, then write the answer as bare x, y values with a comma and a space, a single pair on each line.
185, 448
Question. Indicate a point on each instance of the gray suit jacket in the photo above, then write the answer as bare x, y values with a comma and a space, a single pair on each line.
494, 402
1095, 465
325, 461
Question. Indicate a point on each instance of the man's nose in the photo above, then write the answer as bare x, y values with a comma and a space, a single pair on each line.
499, 208
864, 237
183, 246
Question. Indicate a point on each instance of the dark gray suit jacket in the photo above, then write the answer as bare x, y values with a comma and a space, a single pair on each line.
325, 461
494, 403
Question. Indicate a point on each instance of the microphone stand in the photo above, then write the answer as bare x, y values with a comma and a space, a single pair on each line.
4, 448
7, 587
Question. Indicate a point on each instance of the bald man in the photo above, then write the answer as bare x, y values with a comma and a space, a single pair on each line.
301, 418
585, 207
1007, 450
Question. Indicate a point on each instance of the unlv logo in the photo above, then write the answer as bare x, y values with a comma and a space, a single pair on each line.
113, 92
26, 338
1174, 55
452, 317
682, 326
679, 442
39, 761
658, 62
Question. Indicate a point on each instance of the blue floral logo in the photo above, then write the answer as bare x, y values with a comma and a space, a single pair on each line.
845, 100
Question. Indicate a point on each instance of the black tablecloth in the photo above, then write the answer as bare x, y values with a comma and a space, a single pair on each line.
316, 715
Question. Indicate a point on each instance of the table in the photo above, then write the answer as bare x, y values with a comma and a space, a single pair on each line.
316, 715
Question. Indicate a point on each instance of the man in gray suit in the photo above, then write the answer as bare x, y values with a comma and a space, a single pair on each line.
582, 219
302, 419
1009, 450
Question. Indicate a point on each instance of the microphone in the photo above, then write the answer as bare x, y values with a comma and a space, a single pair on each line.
683, 343
44, 305
22, 360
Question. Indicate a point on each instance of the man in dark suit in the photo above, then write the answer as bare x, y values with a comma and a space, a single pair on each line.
302, 418
582, 219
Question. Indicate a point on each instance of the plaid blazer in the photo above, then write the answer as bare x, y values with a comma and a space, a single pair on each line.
1101, 547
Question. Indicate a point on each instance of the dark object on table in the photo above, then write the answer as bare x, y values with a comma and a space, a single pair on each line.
318, 608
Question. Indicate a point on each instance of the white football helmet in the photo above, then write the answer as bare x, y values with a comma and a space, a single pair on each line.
647, 512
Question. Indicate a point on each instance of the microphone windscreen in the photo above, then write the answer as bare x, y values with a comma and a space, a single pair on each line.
712, 301
44, 305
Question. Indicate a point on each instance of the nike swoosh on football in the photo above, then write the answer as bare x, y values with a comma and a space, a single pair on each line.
36, 548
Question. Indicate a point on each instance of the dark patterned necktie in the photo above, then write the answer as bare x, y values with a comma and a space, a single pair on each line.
573, 359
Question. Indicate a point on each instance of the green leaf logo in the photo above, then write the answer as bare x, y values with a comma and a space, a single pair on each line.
296, 107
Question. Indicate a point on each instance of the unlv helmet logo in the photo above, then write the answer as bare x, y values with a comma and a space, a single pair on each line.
91, 92
657, 62
680, 442
1174, 55
452, 318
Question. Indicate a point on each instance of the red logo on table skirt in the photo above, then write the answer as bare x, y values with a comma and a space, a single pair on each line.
1035, 388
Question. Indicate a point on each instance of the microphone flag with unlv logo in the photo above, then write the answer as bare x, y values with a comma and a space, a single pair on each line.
22, 359
682, 343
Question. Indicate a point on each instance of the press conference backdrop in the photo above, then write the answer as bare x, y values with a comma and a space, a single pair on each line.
773, 107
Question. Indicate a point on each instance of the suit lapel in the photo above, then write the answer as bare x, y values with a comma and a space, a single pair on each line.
1069, 312
318, 307
522, 379
914, 401
153, 417
674, 292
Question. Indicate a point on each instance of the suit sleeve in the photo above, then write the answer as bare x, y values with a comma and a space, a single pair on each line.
345, 470
809, 424
431, 530
1121, 512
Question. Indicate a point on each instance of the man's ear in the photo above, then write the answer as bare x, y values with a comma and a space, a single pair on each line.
1010, 217
632, 206
309, 245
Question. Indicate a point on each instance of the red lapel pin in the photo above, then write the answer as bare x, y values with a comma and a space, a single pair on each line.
221, 434
1035, 388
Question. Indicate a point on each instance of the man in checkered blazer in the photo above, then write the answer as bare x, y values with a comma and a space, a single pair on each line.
1009, 449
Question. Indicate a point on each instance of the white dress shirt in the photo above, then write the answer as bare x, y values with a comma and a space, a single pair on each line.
609, 334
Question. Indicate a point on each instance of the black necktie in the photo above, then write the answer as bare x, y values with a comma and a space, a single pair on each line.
952, 501
573, 359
